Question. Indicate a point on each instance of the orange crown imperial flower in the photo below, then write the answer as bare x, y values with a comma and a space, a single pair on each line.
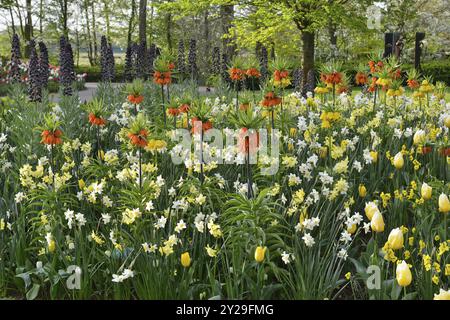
271, 100
253, 72
98, 121
51, 137
139, 139
236, 74
135, 99
162, 78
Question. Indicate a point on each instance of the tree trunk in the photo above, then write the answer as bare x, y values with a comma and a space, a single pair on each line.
131, 22
12, 19
227, 15
308, 54
94, 32
142, 21
28, 29
169, 31
88, 32
41, 16
19, 15
106, 13
63, 4
206, 38
333, 37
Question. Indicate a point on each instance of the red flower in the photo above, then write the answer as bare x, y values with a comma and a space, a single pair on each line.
184, 108
413, 83
361, 78
96, 120
205, 125
426, 150
253, 72
445, 152
173, 111
162, 78
244, 106
135, 99
270, 100
236, 74
140, 139
279, 75
51, 137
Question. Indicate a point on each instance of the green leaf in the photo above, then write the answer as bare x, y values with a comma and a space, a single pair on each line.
33, 292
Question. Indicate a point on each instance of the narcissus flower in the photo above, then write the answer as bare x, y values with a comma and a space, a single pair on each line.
426, 191
377, 222
444, 203
260, 252
395, 239
398, 161
185, 259
374, 156
403, 274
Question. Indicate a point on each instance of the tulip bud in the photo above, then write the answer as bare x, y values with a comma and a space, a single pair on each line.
419, 137
81, 184
447, 121
395, 239
398, 161
443, 295
377, 222
374, 156
352, 228
444, 203
403, 274
362, 191
370, 209
51, 246
260, 253
185, 259
426, 191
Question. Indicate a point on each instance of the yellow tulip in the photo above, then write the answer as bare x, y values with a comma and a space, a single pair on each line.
447, 121
260, 252
398, 161
370, 209
374, 155
323, 152
52, 246
395, 239
444, 203
403, 274
362, 191
101, 154
419, 137
352, 229
443, 295
377, 222
426, 191
81, 184
185, 259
